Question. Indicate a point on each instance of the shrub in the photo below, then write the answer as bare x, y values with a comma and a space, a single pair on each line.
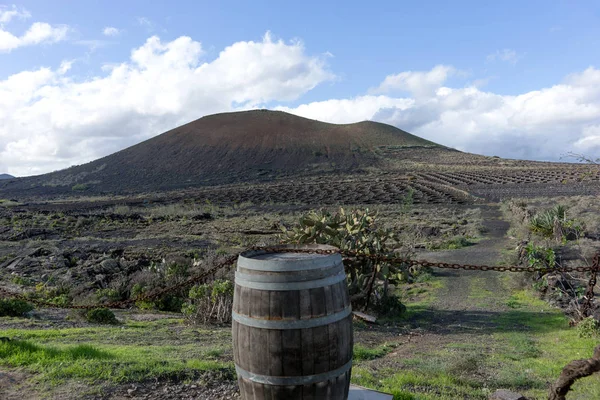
389, 305
61, 300
80, 187
59, 296
137, 290
19, 280
108, 294
540, 257
209, 302
407, 201
451, 244
156, 277
14, 307
169, 302
423, 277
101, 316
554, 223
588, 328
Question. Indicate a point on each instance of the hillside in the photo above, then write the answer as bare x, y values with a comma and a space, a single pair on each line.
6, 176
225, 148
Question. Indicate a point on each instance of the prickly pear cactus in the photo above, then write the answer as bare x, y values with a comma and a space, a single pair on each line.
356, 231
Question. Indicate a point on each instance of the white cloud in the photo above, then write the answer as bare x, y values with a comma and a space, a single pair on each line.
48, 120
6, 15
506, 55
590, 140
418, 83
111, 31
348, 110
38, 32
542, 124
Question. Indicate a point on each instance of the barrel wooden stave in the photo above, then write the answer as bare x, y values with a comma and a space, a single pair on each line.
294, 348
293, 352
317, 391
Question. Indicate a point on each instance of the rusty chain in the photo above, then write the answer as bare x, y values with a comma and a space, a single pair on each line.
424, 263
123, 303
594, 269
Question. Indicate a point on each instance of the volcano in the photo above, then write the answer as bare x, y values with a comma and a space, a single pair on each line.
258, 145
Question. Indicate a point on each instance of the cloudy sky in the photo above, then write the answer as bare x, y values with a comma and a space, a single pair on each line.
80, 80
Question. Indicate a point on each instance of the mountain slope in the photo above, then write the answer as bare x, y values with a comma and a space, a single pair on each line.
6, 176
227, 148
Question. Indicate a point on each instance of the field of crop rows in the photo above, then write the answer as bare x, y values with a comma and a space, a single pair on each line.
426, 187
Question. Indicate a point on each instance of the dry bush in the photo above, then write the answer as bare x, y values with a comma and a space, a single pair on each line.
209, 302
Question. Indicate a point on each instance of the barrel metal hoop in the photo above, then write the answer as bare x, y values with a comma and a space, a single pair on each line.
293, 380
280, 265
291, 324
291, 276
278, 286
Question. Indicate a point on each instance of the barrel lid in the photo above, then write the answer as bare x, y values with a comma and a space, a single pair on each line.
287, 256
264, 261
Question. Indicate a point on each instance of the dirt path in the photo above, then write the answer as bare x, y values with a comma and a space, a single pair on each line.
474, 334
466, 308
468, 298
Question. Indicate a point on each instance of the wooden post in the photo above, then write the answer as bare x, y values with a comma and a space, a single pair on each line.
571, 372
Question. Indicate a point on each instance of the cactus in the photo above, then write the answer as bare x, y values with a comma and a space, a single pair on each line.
355, 231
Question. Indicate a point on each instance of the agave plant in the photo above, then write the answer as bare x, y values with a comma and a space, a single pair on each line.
554, 223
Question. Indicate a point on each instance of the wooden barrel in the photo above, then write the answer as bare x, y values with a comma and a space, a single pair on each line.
292, 326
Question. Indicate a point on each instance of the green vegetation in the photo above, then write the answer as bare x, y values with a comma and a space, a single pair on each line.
80, 187
56, 295
19, 280
133, 352
361, 353
8, 203
554, 223
528, 348
418, 351
588, 328
101, 316
157, 276
355, 231
451, 244
14, 308
540, 257
210, 302
108, 294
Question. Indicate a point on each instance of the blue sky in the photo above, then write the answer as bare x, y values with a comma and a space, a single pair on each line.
500, 66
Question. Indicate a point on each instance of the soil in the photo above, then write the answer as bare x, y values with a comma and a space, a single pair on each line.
453, 317
51, 233
453, 311
209, 387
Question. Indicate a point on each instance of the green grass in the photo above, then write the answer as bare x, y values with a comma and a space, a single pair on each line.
538, 344
361, 353
8, 203
420, 297
480, 295
452, 244
135, 352
527, 349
